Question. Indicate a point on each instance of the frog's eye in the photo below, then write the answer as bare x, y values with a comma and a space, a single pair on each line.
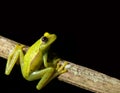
44, 39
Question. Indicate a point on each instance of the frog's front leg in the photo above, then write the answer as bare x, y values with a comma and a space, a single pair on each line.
13, 57
44, 74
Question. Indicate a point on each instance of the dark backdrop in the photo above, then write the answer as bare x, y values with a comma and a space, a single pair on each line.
87, 39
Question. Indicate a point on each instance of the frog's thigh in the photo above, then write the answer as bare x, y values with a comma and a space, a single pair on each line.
44, 74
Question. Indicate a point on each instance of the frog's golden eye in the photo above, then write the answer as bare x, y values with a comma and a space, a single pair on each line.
44, 39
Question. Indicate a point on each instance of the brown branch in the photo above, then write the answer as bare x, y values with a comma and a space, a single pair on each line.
77, 75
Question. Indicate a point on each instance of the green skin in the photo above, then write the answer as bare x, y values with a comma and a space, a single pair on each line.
34, 63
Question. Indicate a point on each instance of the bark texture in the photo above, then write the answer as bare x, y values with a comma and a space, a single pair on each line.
77, 75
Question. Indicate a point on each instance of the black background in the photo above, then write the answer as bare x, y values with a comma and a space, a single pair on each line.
86, 36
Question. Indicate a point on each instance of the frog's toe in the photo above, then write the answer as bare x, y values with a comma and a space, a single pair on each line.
61, 67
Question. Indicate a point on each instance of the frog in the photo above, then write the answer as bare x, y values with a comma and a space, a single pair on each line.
34, 63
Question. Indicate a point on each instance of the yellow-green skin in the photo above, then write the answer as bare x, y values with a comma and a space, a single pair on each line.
34, 63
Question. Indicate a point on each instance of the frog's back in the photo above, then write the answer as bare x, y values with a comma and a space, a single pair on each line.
32, 59
32, 52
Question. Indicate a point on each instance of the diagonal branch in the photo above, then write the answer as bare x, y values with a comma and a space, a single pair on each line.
77, 75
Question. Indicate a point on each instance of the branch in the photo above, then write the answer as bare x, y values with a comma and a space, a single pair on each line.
77, 75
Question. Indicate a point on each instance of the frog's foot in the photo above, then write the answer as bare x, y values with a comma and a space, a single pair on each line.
55, 61
61, 67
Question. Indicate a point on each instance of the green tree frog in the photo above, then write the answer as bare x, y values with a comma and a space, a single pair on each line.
34, 63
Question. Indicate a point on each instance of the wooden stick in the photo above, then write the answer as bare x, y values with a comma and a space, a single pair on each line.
77, 75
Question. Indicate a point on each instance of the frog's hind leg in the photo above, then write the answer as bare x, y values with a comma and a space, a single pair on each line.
12, 59
44, 74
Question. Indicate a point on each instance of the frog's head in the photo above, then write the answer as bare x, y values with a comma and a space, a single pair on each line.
46, 40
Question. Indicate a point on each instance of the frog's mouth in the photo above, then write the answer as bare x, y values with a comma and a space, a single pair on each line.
52, 38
